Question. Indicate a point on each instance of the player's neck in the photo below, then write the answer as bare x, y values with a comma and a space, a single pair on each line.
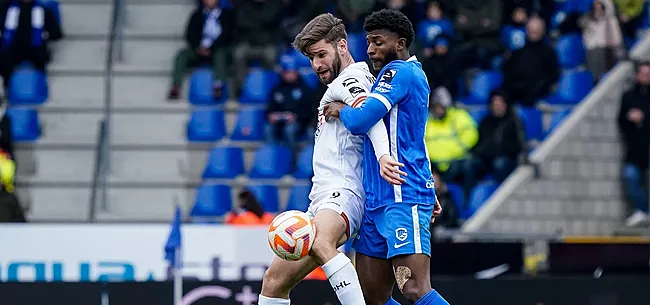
403, 55
346, 62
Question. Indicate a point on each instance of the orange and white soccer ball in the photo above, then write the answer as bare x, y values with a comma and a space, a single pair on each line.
291, 235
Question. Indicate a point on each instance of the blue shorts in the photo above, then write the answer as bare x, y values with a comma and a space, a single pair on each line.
395, 229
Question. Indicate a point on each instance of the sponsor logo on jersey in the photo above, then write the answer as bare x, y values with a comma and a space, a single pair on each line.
355, 91
388, 76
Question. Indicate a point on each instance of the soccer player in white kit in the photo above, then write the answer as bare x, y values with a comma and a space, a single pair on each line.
337, 194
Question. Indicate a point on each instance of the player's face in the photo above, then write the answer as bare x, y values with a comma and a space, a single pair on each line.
383, 46
325, 60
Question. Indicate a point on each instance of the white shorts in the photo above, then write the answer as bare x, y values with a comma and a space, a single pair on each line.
342, 201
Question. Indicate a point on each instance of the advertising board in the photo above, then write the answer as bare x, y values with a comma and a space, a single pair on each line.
98, 252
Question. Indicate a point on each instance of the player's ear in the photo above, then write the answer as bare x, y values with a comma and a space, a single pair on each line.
342, 47
401, 44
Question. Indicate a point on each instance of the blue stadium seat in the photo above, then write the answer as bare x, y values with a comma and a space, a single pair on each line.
25, 125
478, 114
304, 166
309, 77
200, 90
556, 119
27, 86
570, 51
298, 197
249, 125
358, 46
578, 6
531, 118
478, 196
457, 195
258, 85
54, 6
483, 84
267, 195
572, 88
212, 200
271, 162
513, 37
206, 125
224, 163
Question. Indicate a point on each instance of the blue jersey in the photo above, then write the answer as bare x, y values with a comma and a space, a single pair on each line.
402, 93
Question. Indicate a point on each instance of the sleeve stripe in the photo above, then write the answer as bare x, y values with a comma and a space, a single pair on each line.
382, 99
358, 101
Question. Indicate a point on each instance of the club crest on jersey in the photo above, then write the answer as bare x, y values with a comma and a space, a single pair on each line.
355, 91
401, 234
388, 76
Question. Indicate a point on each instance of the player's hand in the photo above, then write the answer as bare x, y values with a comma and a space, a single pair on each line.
332, 110
389, 170
437, 208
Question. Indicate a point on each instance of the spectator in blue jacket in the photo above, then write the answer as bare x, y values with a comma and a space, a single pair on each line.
27, 27
434, 26
289, 110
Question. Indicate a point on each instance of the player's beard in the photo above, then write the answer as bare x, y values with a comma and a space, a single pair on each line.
388, 57
336, 68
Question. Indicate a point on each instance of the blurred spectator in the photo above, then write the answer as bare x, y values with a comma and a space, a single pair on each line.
441, 66
297, 13
449, 136
602, 37
449, 216
530, 72
27, 27
634, 125
407, 7
289, 111
248, 212
478, 23
630, 13
500, 141
10, 208
208, 35
353, 11
6, 138
519, 16
258, 29
435, 25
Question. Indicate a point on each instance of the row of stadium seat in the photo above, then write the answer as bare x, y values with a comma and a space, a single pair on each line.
572, 87
214, 200
270, 162
209, 125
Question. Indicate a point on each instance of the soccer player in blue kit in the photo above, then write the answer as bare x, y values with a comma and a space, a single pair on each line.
394, 242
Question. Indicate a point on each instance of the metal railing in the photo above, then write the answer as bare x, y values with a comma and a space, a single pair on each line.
101, 169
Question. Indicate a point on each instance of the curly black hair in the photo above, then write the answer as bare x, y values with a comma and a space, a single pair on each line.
391, 20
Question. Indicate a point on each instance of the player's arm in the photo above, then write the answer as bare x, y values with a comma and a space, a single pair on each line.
392, 86
353, 93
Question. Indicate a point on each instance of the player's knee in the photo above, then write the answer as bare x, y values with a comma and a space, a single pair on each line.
411, 287
414, 290
323, 249
274, 285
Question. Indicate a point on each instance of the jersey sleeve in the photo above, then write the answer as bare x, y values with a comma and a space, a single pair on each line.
392, 85
352, 91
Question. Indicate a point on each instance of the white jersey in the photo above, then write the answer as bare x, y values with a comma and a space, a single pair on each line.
338, 154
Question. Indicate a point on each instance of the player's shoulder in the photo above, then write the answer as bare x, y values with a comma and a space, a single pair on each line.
396, 69
355, 73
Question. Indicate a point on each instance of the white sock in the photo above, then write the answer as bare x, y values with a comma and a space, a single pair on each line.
272, 301
344, 280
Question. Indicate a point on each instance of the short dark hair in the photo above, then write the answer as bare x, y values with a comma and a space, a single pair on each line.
391, 20
324, 26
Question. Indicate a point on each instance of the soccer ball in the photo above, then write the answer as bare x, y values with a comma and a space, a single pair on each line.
291, 235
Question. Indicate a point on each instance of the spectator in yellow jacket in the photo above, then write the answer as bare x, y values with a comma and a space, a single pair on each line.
450, 135
630, 14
